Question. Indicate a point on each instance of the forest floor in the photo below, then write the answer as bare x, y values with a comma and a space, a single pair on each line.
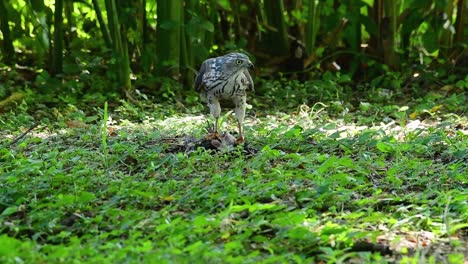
379, 184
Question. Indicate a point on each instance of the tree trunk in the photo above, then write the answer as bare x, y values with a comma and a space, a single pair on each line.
355, 36
7, 48
313, 25
57, 67
461, 23
102, 25
169, 13
119, 48
446, 38
277, 40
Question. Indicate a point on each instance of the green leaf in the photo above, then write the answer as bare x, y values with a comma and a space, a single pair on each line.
9, 246
65, 199
294, 132
430, 40
364, 106
207, 25
455, 228
86, 197
384, 147
10, 210
225, 4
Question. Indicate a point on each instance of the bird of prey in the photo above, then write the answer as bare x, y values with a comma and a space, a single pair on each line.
225, 78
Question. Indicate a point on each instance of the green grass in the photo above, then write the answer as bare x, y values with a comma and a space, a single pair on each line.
323, 180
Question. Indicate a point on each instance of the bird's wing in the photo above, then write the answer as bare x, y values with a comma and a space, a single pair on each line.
249, 80
206, 65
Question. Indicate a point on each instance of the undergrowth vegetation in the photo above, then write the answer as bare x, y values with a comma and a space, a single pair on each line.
356, 135
335, 175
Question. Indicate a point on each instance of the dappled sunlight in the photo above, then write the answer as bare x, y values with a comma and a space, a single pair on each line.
341, 129
312, 180
169, 126
281, 123
184, 125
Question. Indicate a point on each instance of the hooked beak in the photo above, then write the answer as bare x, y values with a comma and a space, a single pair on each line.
251, 65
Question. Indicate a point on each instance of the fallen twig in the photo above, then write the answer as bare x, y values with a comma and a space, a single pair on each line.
34, 125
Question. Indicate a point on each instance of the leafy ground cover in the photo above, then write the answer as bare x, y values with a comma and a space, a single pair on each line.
327, 183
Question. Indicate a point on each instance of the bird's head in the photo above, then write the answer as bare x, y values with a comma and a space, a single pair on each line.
234, 62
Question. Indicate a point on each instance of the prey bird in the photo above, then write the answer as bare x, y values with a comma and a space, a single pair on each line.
223, 79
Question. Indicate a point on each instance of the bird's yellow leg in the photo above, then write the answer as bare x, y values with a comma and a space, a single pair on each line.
215, 134
215, 110
240, 114
240, 139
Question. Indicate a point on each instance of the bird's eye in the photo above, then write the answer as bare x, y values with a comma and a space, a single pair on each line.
238, 62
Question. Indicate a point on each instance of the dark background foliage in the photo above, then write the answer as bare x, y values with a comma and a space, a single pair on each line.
114, 47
